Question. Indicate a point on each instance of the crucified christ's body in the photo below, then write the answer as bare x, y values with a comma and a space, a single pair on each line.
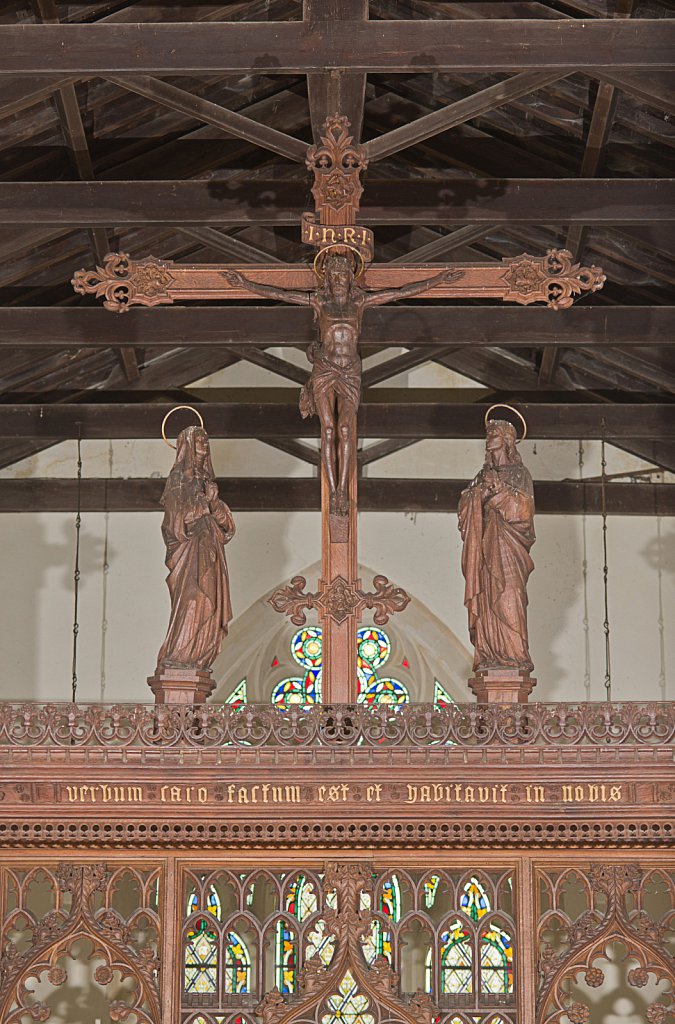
333, 390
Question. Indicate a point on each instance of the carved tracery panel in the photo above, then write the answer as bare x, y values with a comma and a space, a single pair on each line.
348, 944
606, 935
80, 942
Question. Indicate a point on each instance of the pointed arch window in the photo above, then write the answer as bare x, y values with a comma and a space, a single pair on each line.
496, 960
456, 956
237, 965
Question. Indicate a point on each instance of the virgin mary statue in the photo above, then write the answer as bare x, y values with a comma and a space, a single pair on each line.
496, 521
196, 527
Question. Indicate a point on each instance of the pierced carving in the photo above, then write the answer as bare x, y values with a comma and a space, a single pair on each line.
339, 599
587, 939
124, 282
553, 278
55, 934
337, 165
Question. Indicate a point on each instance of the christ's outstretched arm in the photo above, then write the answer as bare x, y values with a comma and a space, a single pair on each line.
380, 298
267, 291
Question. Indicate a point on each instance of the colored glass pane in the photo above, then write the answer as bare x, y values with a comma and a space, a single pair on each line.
212, 903
286, 961
496, 961
377, 942
301, 898
431, 891
238, 697
374, 649
456, 960
474, 900
321, 943
201, 959
347, 1005
385, 691
237, 967
306, 647
442, 698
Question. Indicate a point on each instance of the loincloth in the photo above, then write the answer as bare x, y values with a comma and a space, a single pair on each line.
336, 381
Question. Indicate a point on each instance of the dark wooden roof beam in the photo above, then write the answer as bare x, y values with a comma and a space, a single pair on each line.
369, 46
403, 413
298, 494
336, 91
404, 325
71, 204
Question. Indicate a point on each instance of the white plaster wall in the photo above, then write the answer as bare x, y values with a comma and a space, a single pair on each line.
422, 553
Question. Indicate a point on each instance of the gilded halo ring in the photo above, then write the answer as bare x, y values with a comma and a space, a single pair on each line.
501, 405
170, 413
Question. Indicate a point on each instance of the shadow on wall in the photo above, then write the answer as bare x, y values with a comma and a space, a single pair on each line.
259, 637
33, 547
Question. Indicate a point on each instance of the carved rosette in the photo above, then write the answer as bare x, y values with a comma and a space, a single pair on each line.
123, 282
337, 165
554, 279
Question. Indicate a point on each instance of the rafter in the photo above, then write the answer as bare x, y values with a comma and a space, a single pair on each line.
212, 113
457, 113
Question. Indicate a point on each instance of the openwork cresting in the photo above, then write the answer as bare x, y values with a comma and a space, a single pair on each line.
336, 726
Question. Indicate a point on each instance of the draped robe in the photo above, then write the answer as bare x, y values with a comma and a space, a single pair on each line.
497, 527
195, 532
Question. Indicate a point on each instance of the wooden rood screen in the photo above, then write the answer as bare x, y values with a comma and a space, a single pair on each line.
340, 865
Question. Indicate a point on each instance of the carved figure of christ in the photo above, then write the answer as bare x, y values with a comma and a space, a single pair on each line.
333, 390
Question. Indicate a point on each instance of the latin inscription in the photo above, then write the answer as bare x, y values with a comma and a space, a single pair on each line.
347, 793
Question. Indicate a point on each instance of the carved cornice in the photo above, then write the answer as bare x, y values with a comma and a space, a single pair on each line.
625, 831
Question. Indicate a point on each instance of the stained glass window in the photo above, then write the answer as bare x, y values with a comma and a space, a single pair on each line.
474, 900
286, 960
238, 697
496, 960
237, 968
442, 698
201, 958
306, 651
320, 942
456, 960
301, 898
373, 651
212, 902
431, 891
378, 940
347, 1005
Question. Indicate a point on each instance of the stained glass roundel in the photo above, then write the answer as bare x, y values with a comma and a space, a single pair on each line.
296, 691
306, 647
373, 646
385, 691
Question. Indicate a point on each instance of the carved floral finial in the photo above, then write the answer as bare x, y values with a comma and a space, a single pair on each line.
123, 282
553, 278
337, 165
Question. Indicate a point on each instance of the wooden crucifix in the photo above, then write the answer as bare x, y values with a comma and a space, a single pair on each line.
339, 291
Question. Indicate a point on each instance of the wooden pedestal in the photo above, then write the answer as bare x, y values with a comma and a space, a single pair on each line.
181, 686
502, 686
